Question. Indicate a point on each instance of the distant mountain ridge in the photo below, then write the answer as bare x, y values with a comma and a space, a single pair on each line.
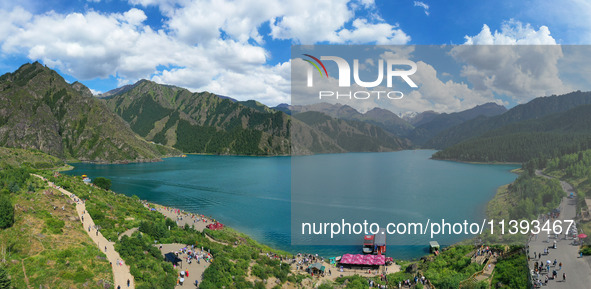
350, 135
40, 110
382, 118
430, 124
545, 137
206, 123
426, 124
420, 118
536, 108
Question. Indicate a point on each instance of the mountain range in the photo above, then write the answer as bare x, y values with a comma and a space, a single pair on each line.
40, 110
199, 122
418, 129
146, 121
428, 125
544, 127
383, 118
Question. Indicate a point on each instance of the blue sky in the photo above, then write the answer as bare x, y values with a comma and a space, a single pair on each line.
242, 48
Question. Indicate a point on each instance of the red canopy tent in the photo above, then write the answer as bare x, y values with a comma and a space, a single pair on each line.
215, 226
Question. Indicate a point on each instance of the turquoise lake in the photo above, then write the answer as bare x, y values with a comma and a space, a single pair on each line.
253, 194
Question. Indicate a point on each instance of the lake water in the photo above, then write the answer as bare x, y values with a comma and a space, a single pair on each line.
253, 194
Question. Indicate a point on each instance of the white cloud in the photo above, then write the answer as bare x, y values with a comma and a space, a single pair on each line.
302, 26
95, 92
134, 17
205, 44
265, 84
93, 45
364, 32
202, 21
301, 23
422, 5
437, 95
205, 20
523, 67
11, 21
572, 18
512, 32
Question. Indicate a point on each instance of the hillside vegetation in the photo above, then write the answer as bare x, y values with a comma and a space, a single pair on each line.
233, 266
525, 132
352, 135
200, 122
28, 158
46, 247
40, 110
535, 109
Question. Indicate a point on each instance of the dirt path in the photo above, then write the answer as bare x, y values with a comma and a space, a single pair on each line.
121, 273
25, 273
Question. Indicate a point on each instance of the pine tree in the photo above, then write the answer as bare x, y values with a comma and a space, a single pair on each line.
4, 281
6, 212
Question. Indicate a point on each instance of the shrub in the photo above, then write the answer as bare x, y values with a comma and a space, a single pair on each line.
146, 263
102, 183
156, 230
512, 272
6, 212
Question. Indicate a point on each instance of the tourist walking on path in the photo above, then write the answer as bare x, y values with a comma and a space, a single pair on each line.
120, 273
566, 253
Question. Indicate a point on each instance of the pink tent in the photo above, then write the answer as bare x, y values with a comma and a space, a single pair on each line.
359, 259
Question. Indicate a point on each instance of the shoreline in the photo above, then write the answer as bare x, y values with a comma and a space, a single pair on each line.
300, 260
155, 160
476, 163
70, 167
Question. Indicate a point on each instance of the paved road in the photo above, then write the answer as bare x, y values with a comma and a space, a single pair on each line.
578, 271
120, 273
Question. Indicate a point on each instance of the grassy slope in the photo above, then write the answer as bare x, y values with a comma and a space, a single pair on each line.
116, 213
50, 245
31, 158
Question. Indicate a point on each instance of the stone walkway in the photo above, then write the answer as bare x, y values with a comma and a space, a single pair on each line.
195, 269
120, 273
